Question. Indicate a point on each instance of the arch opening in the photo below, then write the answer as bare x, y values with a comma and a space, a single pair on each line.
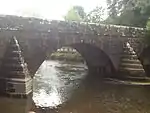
66, 54
54, 78
58, 76
94, 57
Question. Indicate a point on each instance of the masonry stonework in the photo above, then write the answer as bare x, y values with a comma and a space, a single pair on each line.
100, 45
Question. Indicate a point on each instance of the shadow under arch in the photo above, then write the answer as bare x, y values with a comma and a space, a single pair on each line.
145, 60
98, 62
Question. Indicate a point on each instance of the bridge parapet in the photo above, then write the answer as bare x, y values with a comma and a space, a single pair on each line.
14, 23
96, 29
38, 37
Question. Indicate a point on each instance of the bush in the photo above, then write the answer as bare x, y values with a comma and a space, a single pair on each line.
69, 56
147, 37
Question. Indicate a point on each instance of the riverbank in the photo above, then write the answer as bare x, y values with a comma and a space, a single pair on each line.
66, 56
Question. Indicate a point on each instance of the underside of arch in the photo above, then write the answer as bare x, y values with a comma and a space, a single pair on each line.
97, 60
145, 60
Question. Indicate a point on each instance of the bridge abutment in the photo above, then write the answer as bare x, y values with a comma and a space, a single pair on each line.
101, 45
17, 81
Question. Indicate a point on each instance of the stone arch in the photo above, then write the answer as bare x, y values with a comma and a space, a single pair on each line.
96, 59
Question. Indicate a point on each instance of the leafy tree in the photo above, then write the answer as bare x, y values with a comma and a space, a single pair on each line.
147, 37
76, 13
80, 11
112, 8
72, 16
148, 24
95, 16
128, 12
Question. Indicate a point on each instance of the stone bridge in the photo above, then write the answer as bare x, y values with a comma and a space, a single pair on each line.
100, 45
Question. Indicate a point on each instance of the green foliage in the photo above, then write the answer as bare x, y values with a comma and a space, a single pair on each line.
148, 25
76, 13
72, 15
80, 11
69, 56
121, 12
134, 13
112, 8
147, 37
95, 16
128, 12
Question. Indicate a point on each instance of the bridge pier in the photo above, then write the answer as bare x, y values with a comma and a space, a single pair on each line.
130, 66
17, 81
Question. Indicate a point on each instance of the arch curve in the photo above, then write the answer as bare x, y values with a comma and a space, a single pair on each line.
96, 59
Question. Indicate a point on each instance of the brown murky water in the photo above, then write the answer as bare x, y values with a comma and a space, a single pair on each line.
67, 85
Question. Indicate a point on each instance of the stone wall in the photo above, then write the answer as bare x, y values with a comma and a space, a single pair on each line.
38, 38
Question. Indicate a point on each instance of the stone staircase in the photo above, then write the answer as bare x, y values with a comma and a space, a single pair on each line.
130, 67
14, 72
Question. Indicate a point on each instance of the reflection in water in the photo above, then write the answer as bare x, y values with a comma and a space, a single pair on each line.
65, 83
55, 81
91, 95
47, 100
12, 105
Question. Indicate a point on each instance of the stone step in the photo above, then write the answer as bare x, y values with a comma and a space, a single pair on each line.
134, 79
129, 56
130, 61
126, 48
128, 52
131, 65
131, 71
125, 73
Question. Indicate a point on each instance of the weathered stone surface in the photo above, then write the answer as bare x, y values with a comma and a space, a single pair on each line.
14, 72
13, 65
13, 23
37, 38
130, 66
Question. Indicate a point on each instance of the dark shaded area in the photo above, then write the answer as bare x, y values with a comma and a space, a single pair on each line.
145, 60
97, 60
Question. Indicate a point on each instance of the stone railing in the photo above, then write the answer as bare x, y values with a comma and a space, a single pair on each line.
30, 24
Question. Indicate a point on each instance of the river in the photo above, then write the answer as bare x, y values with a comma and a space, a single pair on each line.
67, 88
55, 81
